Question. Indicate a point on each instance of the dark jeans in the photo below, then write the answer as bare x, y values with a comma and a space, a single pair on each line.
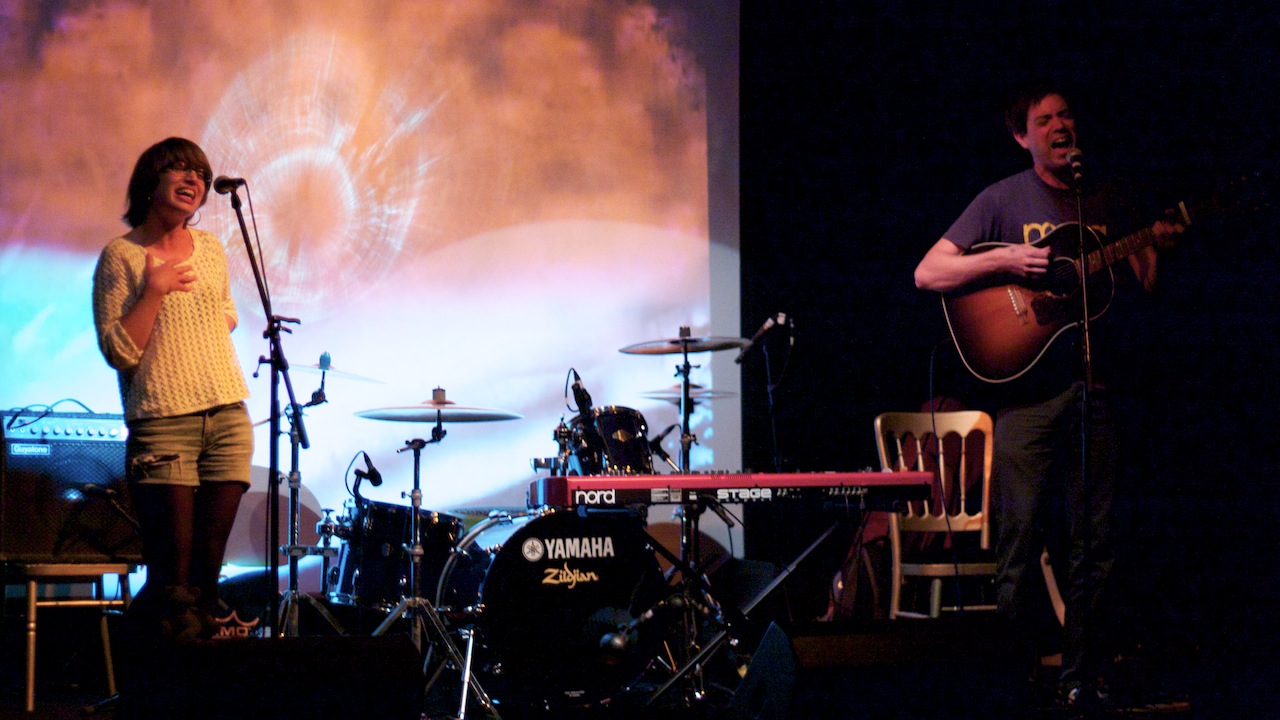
1043, 501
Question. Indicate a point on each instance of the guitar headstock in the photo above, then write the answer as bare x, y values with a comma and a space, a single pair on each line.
1251, 191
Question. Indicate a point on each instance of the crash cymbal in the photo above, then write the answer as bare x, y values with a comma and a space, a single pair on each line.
676, 346
333, 372
696, 392
433, 411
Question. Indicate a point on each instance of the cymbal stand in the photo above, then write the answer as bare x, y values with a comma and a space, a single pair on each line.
699, 602
288, 623
690, 554
687, 438
424, 619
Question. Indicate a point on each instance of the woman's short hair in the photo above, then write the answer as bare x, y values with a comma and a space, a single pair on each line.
155, 160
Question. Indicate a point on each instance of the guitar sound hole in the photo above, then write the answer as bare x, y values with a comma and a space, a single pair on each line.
1063, 278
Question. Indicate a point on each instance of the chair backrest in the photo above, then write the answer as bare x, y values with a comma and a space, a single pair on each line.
909, 441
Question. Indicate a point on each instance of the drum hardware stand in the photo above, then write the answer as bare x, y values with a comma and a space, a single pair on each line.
288, 625
696, 663
325, 528
689, 512
560, 464
422, 614
687, 438
693, 582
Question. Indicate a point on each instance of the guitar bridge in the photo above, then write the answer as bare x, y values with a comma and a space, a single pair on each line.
1019, 307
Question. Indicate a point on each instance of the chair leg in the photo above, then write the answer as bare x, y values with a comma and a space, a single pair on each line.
935, 598
100, 589
865, 559
31, 646
1051, 583
895, 592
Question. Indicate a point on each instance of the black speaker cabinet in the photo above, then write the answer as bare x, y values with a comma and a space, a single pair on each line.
765, 692
62, 492
302, 678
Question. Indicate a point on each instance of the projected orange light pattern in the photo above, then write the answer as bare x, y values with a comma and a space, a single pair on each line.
477, 195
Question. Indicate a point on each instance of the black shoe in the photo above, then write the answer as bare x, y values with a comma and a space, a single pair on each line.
1088, 701
181, 623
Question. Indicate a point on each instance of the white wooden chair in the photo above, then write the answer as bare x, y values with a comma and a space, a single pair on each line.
910, 441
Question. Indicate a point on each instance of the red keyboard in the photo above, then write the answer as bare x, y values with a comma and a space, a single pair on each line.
872, 490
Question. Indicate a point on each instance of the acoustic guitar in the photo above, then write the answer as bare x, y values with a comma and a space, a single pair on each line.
1002, 328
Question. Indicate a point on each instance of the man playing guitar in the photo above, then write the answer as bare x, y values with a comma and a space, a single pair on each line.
998, 246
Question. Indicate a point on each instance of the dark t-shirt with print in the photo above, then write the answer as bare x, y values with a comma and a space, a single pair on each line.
1022, 208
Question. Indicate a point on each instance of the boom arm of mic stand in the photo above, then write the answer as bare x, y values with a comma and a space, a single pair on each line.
296, 416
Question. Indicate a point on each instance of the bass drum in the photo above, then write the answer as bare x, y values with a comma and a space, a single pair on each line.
545, 591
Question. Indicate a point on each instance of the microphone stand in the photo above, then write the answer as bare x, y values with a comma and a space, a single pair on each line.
1082, 253
279, 373
1086, 394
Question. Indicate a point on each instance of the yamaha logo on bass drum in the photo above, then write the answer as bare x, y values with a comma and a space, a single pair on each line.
575, 548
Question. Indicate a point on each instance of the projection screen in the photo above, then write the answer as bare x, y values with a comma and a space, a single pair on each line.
473, 196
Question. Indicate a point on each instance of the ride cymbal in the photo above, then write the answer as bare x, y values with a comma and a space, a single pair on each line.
677, 346
443, 412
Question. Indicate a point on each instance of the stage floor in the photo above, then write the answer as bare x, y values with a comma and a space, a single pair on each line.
955, 667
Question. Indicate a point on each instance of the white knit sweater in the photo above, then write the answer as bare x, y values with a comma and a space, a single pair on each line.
189, 364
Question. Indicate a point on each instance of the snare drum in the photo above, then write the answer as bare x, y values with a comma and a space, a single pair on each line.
623, 446
545, 591
373, 564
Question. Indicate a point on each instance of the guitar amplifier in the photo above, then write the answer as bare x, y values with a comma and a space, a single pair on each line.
63, 497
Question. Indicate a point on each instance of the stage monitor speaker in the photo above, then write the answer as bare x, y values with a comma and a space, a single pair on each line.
765, 692
63, 497
302, 678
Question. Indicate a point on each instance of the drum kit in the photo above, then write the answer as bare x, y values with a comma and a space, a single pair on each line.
552, 608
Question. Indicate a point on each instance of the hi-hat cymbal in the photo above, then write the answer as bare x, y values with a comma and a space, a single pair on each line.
432, 411
696, 393
332, 372
676, 346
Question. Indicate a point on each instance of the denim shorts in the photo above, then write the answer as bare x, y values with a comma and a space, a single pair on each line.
214, 445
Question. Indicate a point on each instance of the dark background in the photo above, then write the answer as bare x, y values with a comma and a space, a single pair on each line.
866, 127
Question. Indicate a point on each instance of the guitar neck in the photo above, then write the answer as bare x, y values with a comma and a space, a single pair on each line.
1112, 253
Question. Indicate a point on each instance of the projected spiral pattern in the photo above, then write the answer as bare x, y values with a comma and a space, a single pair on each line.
337, 161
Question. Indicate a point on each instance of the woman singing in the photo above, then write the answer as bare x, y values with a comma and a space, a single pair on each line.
163, 311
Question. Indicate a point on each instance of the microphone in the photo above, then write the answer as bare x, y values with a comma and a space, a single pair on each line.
720, 511
223, 184
370, 473
1074, 157
620, 640
656, 442
655, 447
581, 397
781, 318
